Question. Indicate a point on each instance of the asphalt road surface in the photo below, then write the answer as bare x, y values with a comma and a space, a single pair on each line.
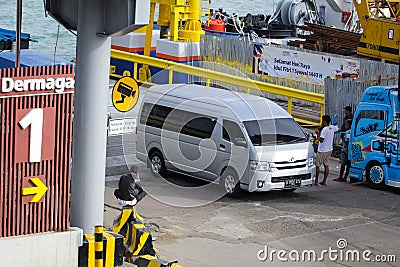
340, 224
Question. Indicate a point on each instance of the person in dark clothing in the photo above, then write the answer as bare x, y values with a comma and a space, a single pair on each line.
129, 192
344, 161
348, 115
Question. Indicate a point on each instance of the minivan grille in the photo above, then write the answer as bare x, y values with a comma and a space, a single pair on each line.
288, 162
290, 167
286, 165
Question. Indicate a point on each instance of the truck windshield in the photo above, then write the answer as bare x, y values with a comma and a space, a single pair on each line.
274, 131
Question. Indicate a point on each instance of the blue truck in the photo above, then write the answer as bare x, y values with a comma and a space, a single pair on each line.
374, 139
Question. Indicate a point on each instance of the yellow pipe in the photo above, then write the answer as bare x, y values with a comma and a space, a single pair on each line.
174, 25
170, 76
194, 6
222, 77
290, 102
322, 112
149, 30
144, 71
135, 65
192, 29
226, 78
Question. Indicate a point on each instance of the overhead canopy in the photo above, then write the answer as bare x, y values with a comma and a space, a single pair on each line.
120, 17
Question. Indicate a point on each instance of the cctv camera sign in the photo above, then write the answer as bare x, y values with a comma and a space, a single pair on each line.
125, 94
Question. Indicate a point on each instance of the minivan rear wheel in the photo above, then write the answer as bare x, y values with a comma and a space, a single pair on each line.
157, 163
230, 183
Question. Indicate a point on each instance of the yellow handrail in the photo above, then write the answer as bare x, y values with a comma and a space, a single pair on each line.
209, 75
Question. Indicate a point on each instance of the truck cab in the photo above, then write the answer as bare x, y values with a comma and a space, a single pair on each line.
374, 139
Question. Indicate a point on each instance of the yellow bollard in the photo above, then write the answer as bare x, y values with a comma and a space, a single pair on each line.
98, 245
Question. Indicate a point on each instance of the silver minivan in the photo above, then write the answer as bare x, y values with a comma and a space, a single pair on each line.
241, 141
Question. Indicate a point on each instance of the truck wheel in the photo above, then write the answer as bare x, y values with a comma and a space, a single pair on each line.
375, 176
230, 183
157, 163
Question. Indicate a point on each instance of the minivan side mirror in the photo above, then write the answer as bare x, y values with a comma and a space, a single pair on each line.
240, 142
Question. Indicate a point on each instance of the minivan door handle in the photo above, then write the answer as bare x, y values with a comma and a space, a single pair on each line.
222, 147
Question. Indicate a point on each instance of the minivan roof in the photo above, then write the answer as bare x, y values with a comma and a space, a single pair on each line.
246, 106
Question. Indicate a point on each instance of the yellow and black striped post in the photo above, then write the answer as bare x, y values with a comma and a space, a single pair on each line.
113, 250
98, 245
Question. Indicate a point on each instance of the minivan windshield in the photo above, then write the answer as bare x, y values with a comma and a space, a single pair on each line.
274, 131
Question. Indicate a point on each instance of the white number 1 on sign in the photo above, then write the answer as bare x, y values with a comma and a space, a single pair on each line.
34, 118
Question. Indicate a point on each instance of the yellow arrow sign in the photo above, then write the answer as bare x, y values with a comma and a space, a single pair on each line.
38, 190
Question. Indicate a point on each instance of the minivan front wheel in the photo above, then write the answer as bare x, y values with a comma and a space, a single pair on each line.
157, 163
230, 183
375, 176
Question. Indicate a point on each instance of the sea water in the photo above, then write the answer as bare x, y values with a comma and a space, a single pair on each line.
53, 39
42, 28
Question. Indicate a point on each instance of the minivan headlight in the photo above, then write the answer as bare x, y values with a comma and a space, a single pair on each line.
260, 165
310, 161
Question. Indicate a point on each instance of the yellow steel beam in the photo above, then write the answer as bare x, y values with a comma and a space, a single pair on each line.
169, 2
222, 77
306, 123
149, 31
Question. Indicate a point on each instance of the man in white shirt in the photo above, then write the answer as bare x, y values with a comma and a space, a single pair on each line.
325, 147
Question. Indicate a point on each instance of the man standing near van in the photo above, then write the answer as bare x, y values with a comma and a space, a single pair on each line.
348, 115
325, 147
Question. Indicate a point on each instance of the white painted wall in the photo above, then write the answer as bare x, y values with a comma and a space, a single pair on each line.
37, 250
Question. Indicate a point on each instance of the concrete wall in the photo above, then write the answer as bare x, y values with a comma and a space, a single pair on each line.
47, 249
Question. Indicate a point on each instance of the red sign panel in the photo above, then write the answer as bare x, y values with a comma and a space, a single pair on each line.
26, 143
35, 149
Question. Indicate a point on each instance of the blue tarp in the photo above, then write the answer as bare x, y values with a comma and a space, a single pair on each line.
9, 35
30, 58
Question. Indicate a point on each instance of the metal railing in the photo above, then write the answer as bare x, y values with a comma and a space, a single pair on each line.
210, 75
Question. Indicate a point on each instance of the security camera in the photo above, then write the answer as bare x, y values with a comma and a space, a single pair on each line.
126, 91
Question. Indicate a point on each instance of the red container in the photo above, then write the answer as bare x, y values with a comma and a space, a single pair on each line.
215, 25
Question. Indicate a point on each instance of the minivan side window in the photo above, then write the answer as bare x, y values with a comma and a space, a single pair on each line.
369, 121
154, 115
201, 127
177, 120
231, 130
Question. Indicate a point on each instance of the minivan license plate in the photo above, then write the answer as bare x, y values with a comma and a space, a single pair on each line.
293, 182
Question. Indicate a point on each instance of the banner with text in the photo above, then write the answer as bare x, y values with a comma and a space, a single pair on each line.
302, 66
